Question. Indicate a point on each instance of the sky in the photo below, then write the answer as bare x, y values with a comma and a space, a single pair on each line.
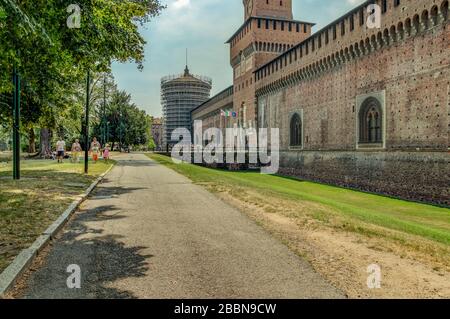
203, 27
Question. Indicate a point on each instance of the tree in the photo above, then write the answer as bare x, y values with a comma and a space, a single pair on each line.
53, 58
151, 142
5, 137
128, 126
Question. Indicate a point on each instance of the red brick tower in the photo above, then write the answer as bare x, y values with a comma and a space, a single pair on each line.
268, 31
269, 8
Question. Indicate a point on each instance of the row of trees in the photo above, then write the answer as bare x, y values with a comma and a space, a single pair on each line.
52, 56
122, 123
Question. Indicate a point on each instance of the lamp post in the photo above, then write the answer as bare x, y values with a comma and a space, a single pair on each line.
86, 124
107, 126
104, 112
120, 128
16, 124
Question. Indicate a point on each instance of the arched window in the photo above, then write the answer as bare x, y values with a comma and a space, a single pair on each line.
426, 19
416, 23
434, 15
444, 9
371, 122
296, 130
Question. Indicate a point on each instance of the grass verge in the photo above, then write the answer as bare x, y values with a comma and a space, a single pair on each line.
411, 218
29, 206
400, 224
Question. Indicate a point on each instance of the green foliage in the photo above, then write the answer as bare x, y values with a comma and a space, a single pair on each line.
125, 124
151, 143
53, 59
5, 138
69, 120
2, 14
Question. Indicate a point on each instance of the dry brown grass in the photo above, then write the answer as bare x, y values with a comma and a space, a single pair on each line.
29, 206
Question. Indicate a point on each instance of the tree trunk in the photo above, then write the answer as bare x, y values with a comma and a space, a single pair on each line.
45, 149
31, 141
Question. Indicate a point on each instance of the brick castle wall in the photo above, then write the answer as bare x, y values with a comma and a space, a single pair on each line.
410, 72
325, 78
418, 176
413, 74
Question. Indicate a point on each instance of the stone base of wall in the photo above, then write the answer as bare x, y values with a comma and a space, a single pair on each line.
417, 176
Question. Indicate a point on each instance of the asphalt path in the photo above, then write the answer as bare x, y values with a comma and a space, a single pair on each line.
148, 232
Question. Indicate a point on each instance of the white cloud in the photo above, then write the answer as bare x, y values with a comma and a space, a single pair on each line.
186, 18
354, 2
202, 26
179, 4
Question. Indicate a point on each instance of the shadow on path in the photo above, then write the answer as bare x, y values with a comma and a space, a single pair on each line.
103, 259
136, 163
103, 191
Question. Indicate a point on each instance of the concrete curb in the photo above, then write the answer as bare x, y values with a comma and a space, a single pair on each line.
22, 262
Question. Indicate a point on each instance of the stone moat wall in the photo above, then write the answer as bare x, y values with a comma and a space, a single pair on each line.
418, 176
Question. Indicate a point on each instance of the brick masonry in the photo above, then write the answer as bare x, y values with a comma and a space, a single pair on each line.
326, 77
418, 176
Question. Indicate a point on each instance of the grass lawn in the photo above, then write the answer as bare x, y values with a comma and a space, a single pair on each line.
354, 211
7, 156
29, 206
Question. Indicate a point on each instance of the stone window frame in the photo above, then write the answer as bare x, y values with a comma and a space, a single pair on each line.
380, 96
370, 112
301, 147
262, 117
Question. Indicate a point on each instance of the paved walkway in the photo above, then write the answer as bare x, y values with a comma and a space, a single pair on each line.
148, 232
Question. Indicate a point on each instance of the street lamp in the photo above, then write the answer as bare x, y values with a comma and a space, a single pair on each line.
16, 124
107, 126
104, 111
86, 124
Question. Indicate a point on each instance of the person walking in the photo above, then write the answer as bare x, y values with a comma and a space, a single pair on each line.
106, 154
60, 150
76, 150
95, 149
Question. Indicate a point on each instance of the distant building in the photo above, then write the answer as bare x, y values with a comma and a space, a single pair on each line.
157, 133
181, 94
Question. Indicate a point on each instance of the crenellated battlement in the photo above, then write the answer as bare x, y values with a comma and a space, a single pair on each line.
349, 38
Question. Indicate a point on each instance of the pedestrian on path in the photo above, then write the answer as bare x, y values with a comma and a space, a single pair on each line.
76, 150
95, 149
60, 150
106, 153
